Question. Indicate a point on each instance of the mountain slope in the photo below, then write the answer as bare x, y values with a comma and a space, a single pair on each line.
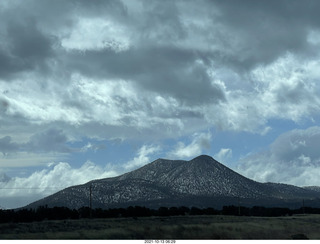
313, 188
200, 176
200, 182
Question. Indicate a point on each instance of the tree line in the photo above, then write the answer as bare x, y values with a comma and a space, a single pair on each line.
61, 213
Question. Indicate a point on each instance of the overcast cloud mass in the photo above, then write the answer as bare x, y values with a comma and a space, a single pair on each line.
92, 89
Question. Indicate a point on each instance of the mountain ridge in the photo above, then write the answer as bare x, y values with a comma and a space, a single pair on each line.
201, 182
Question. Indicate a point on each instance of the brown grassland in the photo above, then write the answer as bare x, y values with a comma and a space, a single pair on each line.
175, 227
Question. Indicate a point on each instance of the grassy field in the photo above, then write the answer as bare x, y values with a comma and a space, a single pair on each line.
176, 227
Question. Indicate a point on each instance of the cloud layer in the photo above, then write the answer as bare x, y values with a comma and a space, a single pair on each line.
293, 158
157, 66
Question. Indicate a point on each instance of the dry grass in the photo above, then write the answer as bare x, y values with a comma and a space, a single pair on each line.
182, 227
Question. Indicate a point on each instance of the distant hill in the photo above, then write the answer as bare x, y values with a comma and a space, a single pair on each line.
313, 188
200, 182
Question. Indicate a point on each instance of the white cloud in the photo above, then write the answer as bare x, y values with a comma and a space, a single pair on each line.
199, 143
84, 102
36, 104
90, 146
45, 182
287, 88
293, 158
284, 89
143, 157
223, 155
96, 34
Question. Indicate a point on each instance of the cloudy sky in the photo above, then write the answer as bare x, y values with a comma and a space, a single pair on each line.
93, 89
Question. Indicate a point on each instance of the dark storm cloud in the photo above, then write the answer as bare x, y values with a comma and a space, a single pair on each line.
161, 22
267, 29
28, 43
261, 30
3, 105
27, 49
7, 146
26, 29
48, 141
60, 13
167, 70
52, 140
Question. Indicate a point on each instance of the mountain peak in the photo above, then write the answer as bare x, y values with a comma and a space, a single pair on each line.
203, 157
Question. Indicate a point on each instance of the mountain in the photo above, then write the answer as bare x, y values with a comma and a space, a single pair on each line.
314, 188
200, 182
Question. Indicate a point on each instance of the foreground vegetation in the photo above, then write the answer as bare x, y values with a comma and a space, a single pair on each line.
61, 213
231, 222
169, 227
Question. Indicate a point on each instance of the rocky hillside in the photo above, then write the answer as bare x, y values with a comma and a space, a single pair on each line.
200, 182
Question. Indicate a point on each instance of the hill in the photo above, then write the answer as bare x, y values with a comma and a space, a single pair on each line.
200, 182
